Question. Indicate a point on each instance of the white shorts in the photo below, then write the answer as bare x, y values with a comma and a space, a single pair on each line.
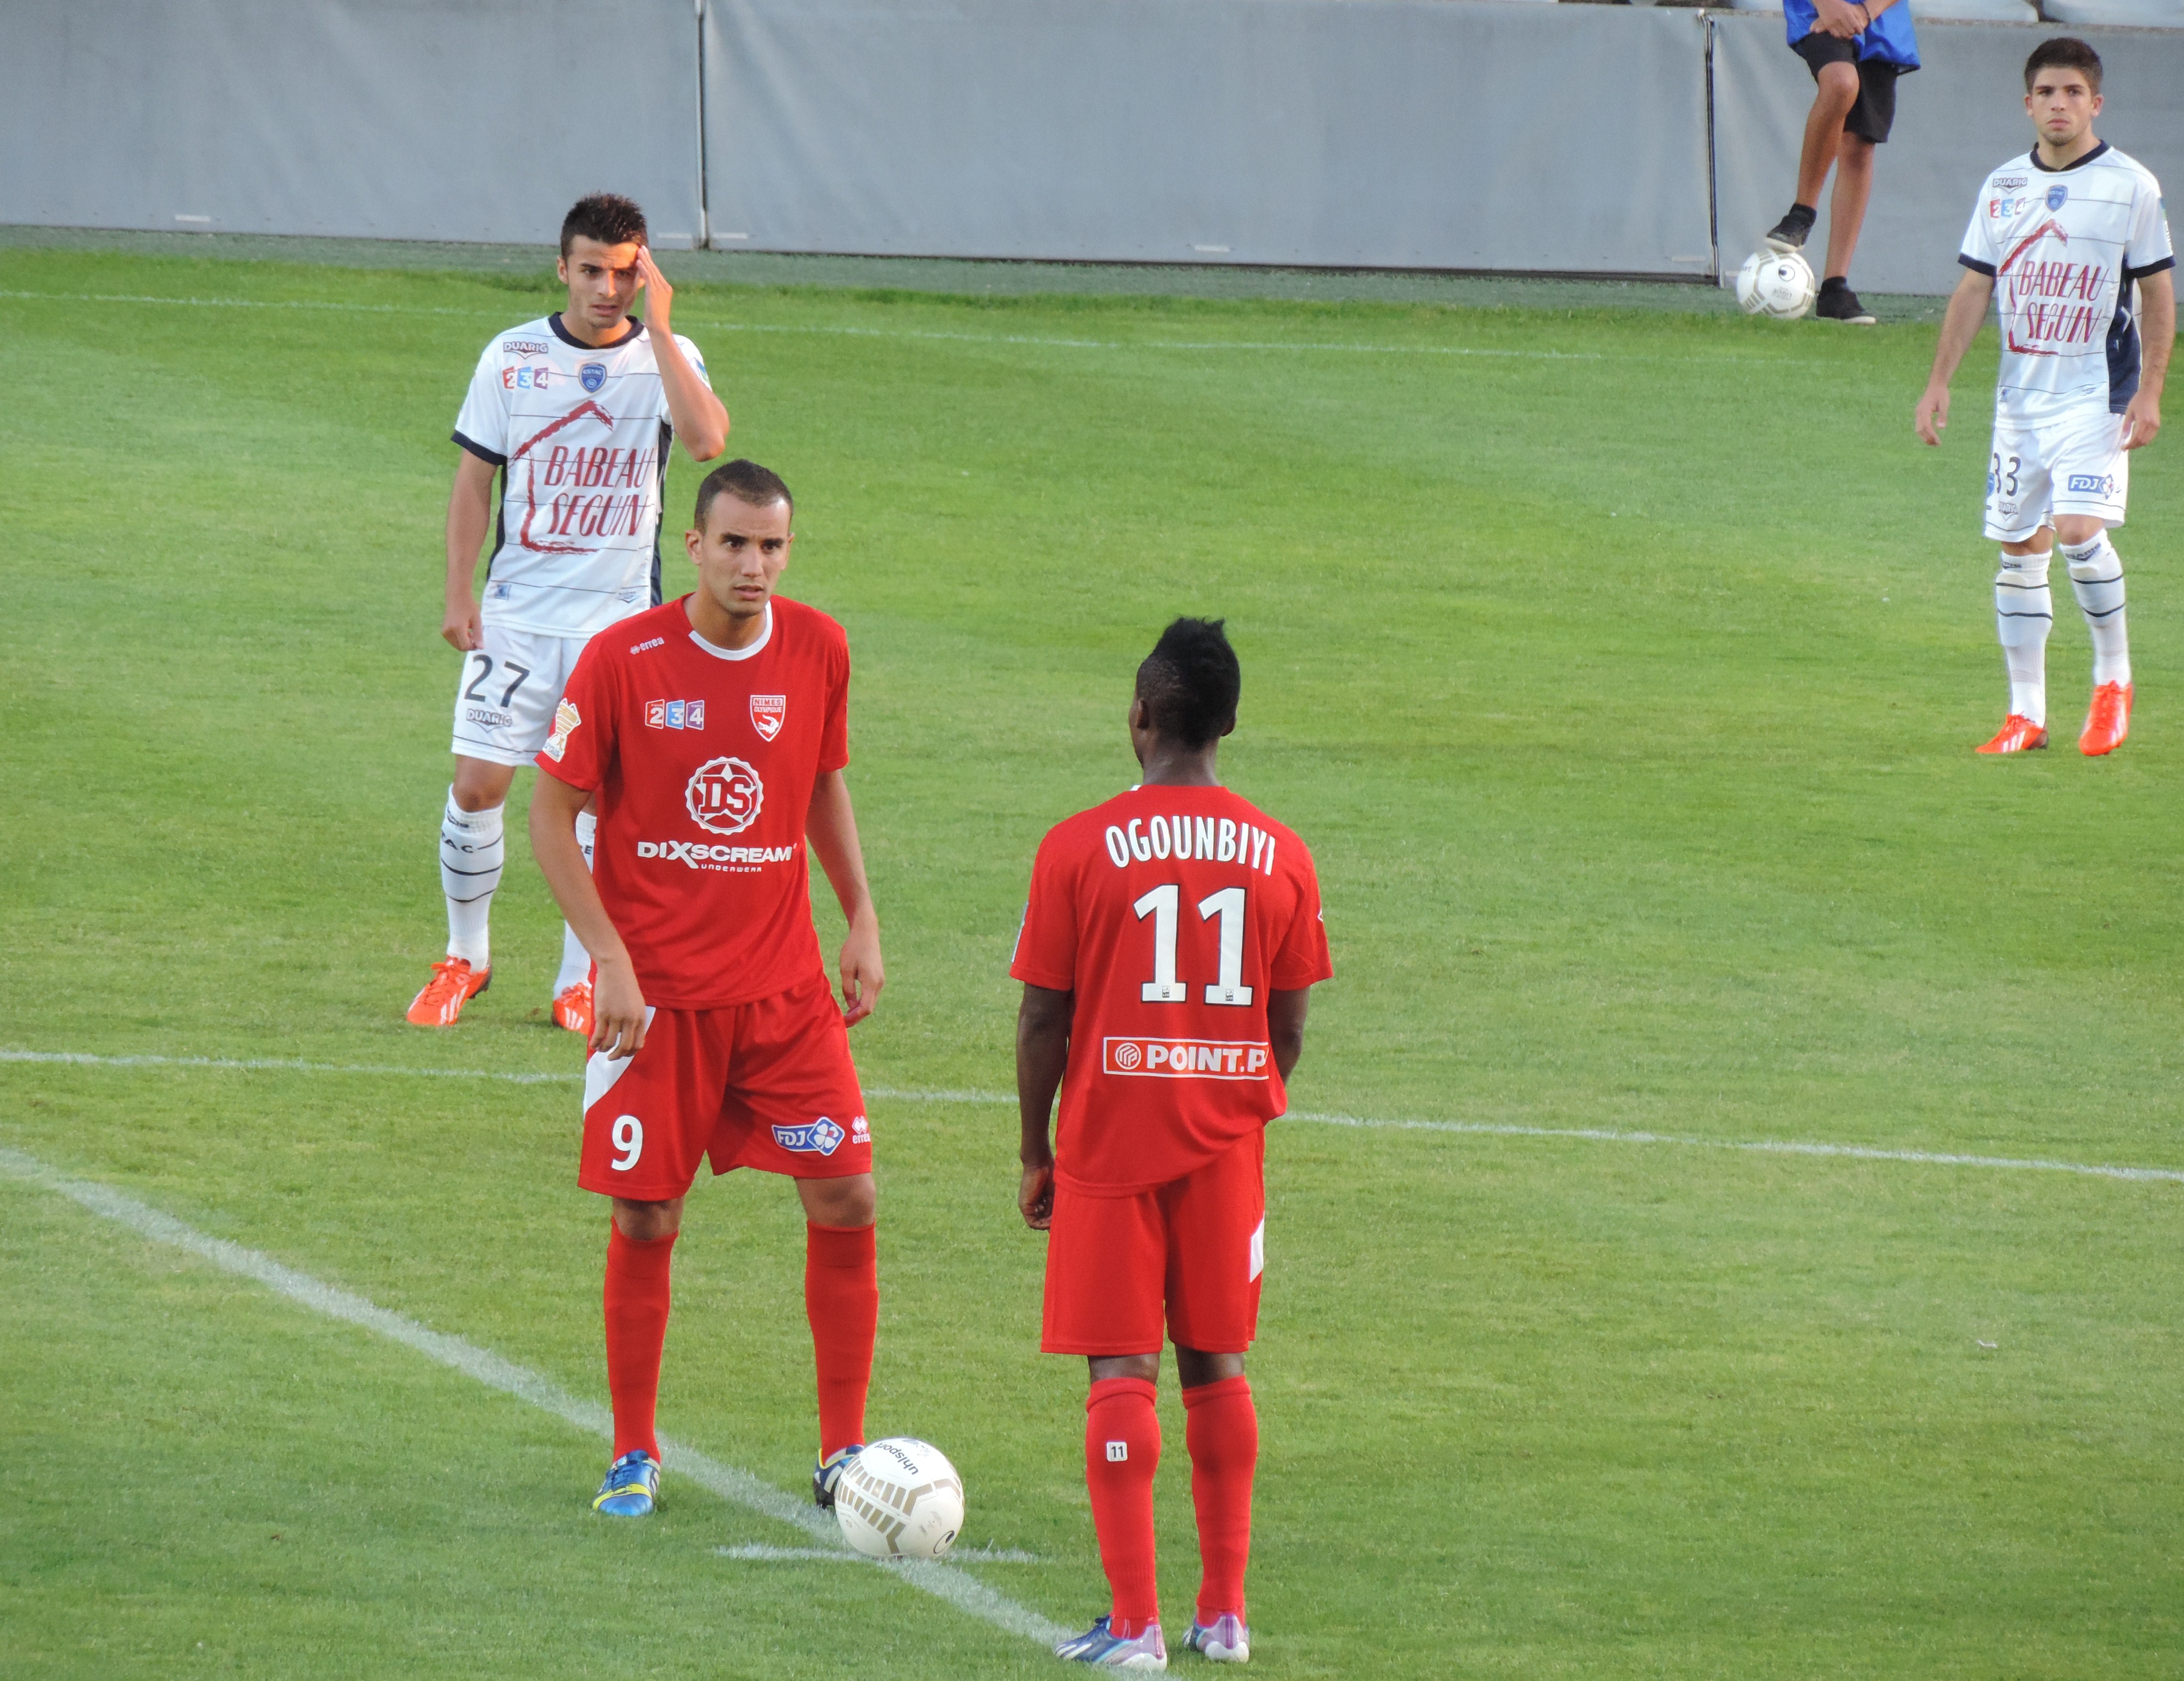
2073, 465
504, 701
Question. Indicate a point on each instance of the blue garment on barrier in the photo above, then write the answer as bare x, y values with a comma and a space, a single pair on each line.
1892, 38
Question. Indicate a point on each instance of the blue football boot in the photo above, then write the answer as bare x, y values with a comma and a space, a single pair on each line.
1102, 1649
828, 1472
633, 1482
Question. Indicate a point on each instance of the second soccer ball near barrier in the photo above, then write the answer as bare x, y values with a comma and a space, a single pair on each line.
1776, 283
899, 1498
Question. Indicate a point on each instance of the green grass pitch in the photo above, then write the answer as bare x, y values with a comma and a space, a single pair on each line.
1622, 669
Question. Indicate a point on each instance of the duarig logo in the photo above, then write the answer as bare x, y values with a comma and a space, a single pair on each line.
724, 796
2092, 484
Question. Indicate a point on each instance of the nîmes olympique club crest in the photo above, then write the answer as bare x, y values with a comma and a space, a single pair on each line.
768, 712
724, 796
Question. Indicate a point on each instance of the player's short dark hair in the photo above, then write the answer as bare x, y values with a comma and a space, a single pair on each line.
607, 217
745, 480
1190, 682
2065, 53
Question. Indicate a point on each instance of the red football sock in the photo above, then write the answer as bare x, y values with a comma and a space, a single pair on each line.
1222, 1430
842, 1300
1122, 1451
637, 1294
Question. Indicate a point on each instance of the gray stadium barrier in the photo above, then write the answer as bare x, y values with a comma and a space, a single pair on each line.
462, 120
1336, 133
1957, 117
1426, 134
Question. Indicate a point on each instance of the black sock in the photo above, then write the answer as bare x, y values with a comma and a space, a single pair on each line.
1805, 213
1836, 283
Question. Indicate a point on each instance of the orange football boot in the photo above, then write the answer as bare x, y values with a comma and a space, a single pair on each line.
2018, 734
573, 1008
2109, 721
453, 984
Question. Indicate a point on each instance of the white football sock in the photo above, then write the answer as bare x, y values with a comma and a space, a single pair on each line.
471, 858
2024, 613
576, 962
2096, 580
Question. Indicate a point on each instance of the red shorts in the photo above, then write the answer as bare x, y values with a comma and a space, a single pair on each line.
1195, 1246
766, 1084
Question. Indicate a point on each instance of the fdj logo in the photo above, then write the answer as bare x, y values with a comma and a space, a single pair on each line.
675, 715
724, 796
821, 1137
2092, 484
593, 375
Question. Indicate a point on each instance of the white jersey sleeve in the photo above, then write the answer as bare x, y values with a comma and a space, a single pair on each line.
481, 423
1977, 253
2148, 250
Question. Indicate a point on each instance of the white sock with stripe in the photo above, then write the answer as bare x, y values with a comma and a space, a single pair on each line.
471, 858
2096, 580
2024, 613
576, 962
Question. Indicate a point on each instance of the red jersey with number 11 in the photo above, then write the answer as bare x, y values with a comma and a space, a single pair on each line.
1171, 913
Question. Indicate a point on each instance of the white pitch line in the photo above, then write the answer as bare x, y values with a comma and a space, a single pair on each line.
1478, 1128
1259, 346
730, 1484
759, 1551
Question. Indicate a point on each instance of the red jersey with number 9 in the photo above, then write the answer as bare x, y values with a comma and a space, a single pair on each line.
1171, 913
704, 760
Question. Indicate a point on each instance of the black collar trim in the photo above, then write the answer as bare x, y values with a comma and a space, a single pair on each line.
2045, 169
553, 321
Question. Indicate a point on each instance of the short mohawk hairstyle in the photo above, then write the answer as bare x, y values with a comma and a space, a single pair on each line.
745, 480
1190, 681
607, 217
2065, 53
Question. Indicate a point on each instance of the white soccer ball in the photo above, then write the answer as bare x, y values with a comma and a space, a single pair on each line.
1776, 283
899, 1498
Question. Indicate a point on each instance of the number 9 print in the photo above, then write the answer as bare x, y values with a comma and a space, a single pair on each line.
628, 1135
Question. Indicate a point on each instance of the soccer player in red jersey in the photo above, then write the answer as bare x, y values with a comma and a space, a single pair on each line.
1167, 955
713, 731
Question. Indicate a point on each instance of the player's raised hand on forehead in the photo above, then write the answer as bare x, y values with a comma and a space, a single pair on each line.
659, 295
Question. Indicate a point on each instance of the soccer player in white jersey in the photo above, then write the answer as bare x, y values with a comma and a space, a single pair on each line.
574, 413
2064, 237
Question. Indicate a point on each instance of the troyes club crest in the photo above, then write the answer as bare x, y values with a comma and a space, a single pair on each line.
767, 714
724, 796
593, 375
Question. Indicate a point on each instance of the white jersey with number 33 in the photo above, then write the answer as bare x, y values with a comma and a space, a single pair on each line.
2066, 248
580, 436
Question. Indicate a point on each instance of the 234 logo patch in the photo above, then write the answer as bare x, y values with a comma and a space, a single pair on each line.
675, 715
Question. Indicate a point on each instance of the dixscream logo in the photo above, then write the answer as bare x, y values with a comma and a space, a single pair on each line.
725, 796
1186, 1059
697, 854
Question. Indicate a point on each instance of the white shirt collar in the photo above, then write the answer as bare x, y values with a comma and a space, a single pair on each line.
764, 637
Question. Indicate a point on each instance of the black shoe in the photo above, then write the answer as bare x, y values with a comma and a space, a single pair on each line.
1838, 303
1791, 233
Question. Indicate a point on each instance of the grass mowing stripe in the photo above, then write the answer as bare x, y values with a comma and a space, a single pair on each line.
739, 1486
1481, 1128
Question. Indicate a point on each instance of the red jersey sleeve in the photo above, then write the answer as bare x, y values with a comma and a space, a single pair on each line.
1303, 959
582, 744
1046, 944
834, 733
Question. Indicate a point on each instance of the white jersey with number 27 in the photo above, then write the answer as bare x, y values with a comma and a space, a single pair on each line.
580, 436
2066, 249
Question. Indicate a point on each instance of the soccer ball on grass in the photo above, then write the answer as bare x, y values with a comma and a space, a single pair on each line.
899, 1498
1776, 283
